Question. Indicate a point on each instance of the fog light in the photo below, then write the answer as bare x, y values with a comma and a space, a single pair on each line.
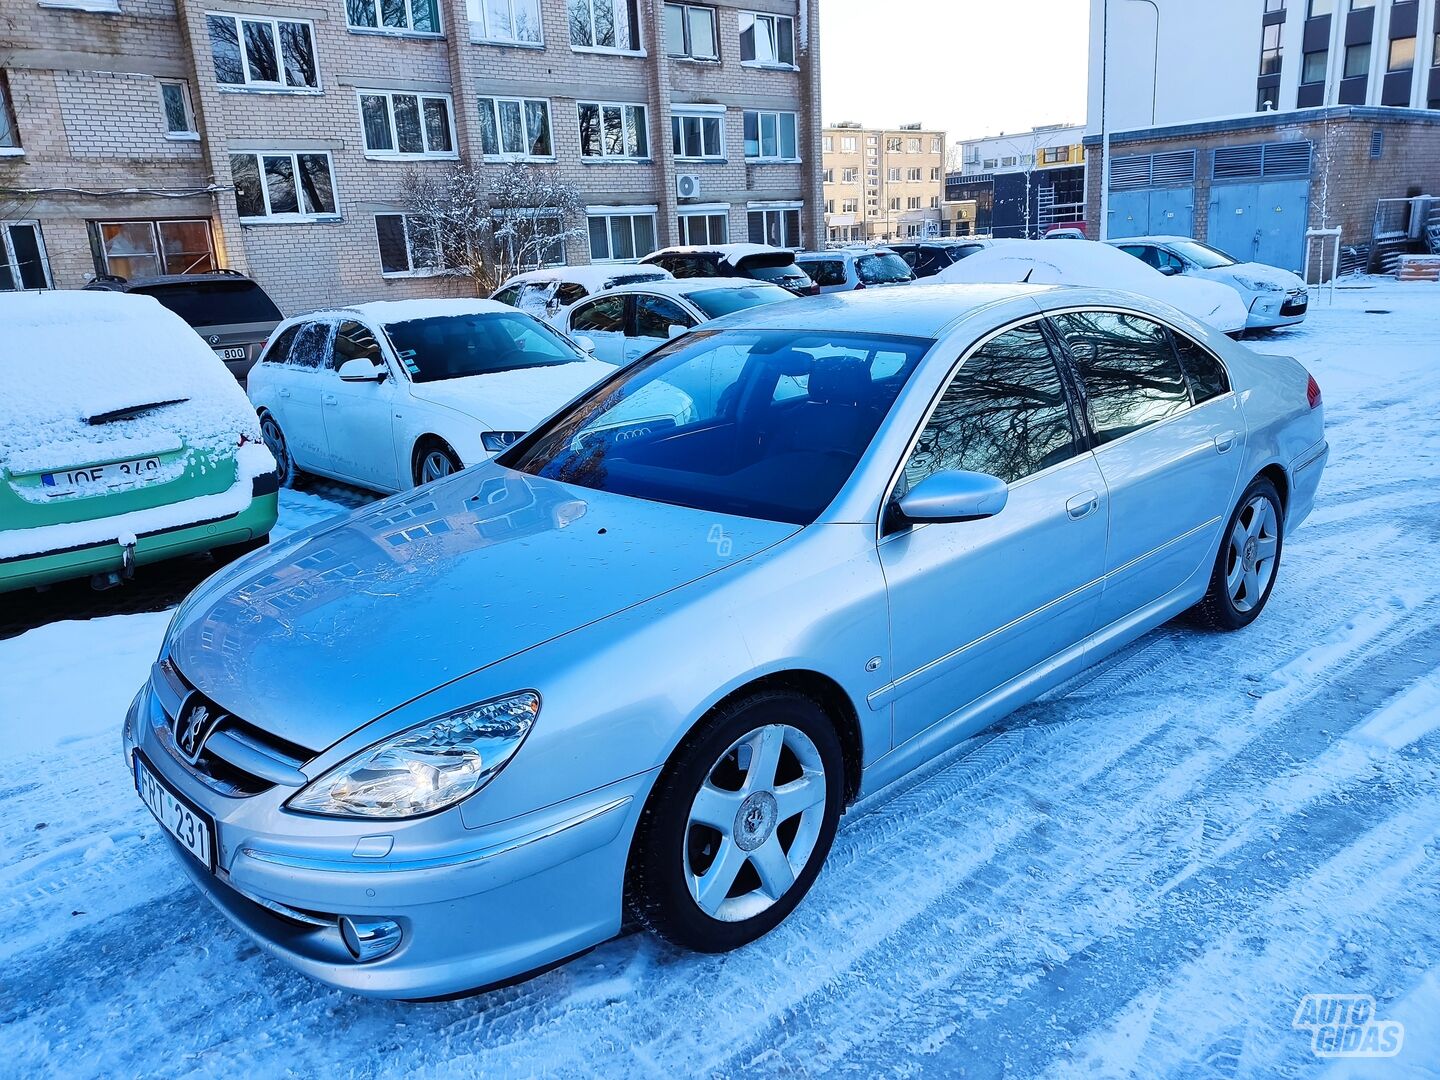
369, 939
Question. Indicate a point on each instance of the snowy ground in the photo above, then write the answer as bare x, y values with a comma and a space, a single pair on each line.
1143, 874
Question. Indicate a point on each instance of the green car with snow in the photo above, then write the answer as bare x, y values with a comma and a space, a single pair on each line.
123, 441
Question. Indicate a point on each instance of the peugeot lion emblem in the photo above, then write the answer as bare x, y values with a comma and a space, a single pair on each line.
194, 728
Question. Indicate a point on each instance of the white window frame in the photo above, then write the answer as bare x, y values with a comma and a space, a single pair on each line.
849, 206
912, 176
394, 153
781, 208
414, 271
703, 112
759, 115
15, 148
481, 32
257, 86
608, 213
190, 134
847, 144
707, 211
627, 125
495, 101
851, 176
636, 30
772, 37
408, 30
892, 176
7, 252
302, 217
690, 54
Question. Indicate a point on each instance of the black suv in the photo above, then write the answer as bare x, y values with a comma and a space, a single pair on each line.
226, 308
775, 265
927, 258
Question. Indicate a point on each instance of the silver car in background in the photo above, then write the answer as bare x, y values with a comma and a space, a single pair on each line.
643, 665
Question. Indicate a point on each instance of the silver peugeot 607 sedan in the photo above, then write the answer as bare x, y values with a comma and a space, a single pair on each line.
641, 665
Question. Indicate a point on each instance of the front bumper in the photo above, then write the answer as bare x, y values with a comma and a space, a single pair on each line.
1272, 310
475, 907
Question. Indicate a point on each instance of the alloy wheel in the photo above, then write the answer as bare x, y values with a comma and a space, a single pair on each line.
436, 465
1254, 544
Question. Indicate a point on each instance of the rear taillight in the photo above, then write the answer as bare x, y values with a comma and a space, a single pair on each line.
1312, 391
813, 290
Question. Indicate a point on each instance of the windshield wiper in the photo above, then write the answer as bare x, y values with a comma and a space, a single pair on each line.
132, 411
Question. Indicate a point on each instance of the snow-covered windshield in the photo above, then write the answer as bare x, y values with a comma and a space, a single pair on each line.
456, 346
882, 269
717, 302
1203, 255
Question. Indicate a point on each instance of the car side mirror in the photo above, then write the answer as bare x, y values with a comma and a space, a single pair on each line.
587, 344
953, 495
361, 370
1169, 270
676, 330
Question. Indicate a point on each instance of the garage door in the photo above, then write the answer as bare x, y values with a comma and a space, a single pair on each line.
1260, 202
1153, 194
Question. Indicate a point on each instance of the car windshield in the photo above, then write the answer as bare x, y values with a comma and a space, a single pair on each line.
717, 302
758, 423
1203, 255
215, 303
882, 269
454, 346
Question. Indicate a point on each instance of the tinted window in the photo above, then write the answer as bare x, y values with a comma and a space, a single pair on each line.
279, 351
654, 315
731, 440
355, 341
1206, 374
457, 346
826, 271
507, 295
312, 346
606, 315
717, 302
216, 303
1005, 414
688, 266
885, 269
791, 276
1130, 372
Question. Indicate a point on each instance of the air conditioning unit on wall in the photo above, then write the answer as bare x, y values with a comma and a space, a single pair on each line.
687, 186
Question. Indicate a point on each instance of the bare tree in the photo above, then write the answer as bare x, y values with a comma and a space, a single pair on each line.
486, 225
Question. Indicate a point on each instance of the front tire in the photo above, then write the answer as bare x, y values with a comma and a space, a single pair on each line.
434, 460
739, 824
1248, 562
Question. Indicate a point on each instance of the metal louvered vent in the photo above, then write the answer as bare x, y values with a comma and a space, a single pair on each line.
1174, 168
1287, 159
1377, 141
1239, 162
1130, 172
1263, 160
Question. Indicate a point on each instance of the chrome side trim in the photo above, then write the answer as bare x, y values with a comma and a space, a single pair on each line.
462, 858
284, 910
1316, 453
1157, 550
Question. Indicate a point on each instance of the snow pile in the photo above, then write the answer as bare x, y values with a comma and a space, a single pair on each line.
67, 357
1096, 265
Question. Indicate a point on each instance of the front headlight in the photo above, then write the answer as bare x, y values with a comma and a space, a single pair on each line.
427, 768
495, 441
1255, 285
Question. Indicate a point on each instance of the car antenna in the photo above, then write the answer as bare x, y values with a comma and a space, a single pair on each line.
1027, 276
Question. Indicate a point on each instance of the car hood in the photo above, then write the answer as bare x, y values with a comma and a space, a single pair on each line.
1210, 302
1283, 279
514, 400
329, 629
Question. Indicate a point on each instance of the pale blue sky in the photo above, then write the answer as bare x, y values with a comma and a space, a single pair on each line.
972, 67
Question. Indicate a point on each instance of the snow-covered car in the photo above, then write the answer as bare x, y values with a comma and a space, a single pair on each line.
1274, 297
625, 323
123, 441
1095, 265
857, 268
547, 293
928, 257
629, 674
757, 261
396, 393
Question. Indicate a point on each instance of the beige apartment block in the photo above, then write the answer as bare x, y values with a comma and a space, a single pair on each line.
882, 184
148, 136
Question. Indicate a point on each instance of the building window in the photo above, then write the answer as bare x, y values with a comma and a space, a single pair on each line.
778, 227
1052, 155
690, 32
398, 125
1270, 49
1402, 54
989, 164
851, 176
708, 227
277, 54
9, 132
1357, 60
913, 202
829, 144
934, 202
515, 128
1272, 6
540, 238
912, 175
767, 39
22, 257
175, 103
847, 144
828, 176
895, 203
507, 22
613, 130
850, 206
138, 249
621, 236
893, 175
912, 146
1313, 69
406, 247
283, 186
1321, 7
935, 173
892, 146
400, 16
770, 136
604, 24
698, 136
1361, 5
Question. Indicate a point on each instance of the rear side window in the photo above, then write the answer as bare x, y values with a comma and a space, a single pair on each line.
1130, 372
279, 350
507, 295
688, 266
606, 316
1005, 413
355, 341
1202, 368
568, 293
826, 271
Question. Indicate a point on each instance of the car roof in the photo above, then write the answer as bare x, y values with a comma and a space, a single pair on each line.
1158, 238
397, 311
684, 287
128, 284
840, 253
591, 276
728, 252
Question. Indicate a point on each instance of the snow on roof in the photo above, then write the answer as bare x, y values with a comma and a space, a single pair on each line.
689, 286
398, 311
592, 278
732, 253
67, 356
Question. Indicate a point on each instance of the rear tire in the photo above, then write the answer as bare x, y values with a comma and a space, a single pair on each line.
739, 823
285, 470
1248, 562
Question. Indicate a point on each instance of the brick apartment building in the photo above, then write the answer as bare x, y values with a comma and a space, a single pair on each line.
882, 183
150, 136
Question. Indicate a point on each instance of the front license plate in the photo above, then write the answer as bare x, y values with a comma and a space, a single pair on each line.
100, 478
181, 818
230, 354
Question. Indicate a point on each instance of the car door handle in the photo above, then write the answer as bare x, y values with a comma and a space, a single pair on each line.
1224, 441
329, 399
283, 392
1083, 505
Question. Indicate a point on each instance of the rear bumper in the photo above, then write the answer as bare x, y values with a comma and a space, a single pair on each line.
1305, 473
253, 522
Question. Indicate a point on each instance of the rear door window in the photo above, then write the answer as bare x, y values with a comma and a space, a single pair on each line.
507, 295
1130, 373
312, 346
603, 316
279, 350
